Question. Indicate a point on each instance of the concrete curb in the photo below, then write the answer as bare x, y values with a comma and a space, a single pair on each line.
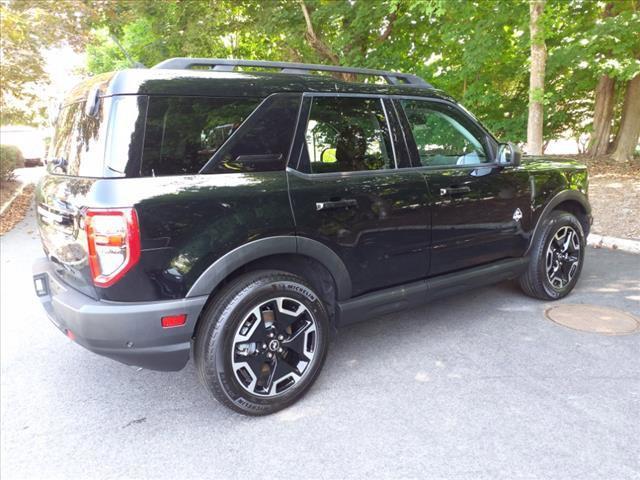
15, 195
624, 244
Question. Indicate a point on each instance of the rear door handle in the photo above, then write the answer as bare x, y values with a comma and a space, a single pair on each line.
454, 190
346, 203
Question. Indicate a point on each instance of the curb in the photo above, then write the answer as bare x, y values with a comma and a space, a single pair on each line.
15, 195
624, 244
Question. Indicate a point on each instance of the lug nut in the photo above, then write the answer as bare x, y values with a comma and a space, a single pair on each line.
280, 337
280, 350
271, 335
264, 346
269, 355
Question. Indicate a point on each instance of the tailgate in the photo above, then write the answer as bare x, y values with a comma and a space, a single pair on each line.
59, 206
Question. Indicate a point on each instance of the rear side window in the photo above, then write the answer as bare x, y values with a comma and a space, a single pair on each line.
346, 134
184, 133
262, 143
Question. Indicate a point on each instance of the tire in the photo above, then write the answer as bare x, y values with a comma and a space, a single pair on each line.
262, 342
551, 274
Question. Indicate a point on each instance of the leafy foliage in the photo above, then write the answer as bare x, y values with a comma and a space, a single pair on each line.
476, 50
30, 26
10, 159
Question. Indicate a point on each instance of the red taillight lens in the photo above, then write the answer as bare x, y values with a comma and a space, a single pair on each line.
114, 243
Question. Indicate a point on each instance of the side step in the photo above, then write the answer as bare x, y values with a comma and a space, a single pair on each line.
417, 293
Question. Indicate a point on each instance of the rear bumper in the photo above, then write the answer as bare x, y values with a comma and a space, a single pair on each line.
130, 333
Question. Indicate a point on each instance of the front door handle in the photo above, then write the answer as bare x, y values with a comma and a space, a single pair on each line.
345, 203
454, 190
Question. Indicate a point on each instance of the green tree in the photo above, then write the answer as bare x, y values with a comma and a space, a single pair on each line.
478, 51
30, 26
594, 58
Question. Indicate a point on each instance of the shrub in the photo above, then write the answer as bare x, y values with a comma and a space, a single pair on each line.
10, 158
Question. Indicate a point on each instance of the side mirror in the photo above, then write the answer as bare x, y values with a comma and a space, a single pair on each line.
509, 154
328, 155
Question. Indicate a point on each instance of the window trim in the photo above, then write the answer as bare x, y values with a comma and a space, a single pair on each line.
391, 139
488, 142
300, 139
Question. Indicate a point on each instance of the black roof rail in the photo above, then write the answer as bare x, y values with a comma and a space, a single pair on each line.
227, 65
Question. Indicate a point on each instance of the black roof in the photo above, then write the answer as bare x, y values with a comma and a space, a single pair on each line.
232, 84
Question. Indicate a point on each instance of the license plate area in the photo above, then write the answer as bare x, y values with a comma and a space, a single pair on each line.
41, 285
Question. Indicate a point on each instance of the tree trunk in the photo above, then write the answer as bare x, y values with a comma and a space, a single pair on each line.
536, 79
627, 139
602, 116
603, 109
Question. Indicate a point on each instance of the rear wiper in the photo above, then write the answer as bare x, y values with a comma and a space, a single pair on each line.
58, 165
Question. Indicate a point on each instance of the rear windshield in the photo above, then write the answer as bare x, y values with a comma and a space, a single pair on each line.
77, 148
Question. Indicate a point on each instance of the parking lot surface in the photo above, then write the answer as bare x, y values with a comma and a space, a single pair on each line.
480, 385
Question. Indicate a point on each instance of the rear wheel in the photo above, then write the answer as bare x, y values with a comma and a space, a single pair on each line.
262, 342
557, 255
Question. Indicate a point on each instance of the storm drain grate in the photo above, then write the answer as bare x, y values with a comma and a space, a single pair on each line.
593, 318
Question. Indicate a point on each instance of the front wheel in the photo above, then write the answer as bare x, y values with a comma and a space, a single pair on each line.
557, 255
262, 342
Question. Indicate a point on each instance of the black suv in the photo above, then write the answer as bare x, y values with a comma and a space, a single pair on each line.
245, 216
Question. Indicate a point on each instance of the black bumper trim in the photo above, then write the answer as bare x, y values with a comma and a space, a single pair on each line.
127, 332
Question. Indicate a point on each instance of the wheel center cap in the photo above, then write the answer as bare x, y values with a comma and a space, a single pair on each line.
274, 345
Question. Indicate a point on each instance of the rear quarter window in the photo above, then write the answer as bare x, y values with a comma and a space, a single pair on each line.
184, 133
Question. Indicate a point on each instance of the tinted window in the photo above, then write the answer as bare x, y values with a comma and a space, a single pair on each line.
441, 137
262, 143
183, 133
77, 147
346, 134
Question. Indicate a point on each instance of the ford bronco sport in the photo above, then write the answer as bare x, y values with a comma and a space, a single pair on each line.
214, 208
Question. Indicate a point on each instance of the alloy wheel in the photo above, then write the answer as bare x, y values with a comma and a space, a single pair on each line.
274, 346
563, 257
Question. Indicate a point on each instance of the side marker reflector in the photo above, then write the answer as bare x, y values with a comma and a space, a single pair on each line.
173, 321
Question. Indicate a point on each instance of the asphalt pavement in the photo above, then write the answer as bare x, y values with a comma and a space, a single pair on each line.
480, 385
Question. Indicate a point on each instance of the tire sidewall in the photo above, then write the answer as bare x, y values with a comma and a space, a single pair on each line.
558, 221
219, 346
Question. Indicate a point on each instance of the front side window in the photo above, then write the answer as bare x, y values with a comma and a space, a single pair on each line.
347, 134
441, 137
183, 133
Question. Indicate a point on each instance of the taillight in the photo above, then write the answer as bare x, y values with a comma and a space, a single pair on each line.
114, 243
